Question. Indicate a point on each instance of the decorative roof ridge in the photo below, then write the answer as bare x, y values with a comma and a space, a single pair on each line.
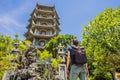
37, 4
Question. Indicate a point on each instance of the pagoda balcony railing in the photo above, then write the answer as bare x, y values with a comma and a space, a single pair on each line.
44, 25
44, 17
45, 11
44, 36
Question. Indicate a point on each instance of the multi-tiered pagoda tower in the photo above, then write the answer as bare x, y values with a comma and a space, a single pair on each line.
43, 25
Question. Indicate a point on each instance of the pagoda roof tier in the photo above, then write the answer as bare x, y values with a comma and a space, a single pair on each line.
58, 28
45, 20
47, 13
44, 27
42, 19
41, 11
57, 21
28, 37
28, 26
43, 36
38, 26
44, 6
39, 35
45, 9
47, 27
37, 12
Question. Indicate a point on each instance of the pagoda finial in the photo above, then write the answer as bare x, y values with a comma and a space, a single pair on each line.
36, 1
54, 4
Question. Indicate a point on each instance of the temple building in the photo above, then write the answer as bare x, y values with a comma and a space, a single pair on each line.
43, 25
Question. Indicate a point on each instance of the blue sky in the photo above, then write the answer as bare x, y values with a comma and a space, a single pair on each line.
14, 14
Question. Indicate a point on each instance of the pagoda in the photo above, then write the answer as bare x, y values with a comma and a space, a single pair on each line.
43, 25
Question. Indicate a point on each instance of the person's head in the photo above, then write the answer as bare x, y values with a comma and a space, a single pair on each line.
75, 42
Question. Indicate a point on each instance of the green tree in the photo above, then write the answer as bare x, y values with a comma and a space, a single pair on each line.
6, 45
101, 38
52, 45
46, 57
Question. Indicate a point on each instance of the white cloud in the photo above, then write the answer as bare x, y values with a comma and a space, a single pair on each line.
10, 23
10, 26
7, 21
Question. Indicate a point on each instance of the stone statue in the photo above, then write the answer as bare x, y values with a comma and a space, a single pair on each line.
28, 68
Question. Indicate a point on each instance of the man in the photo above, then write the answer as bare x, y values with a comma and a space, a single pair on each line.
76, 70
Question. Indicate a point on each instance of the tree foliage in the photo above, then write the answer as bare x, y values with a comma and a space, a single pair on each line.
7, 44
52, 45
101, 38
45, 56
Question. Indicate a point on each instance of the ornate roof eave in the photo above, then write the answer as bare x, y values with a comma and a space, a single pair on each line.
58, 22
57, 27
28, 37
56, 14
46, 12
43, 19
42, 36
31, 18
26, 34
44, 27
33, 12
39, 5
28, 26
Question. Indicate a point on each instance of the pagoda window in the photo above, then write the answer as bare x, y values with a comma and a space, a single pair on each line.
44, 23
33, 42
50, 32
40, 15
37, 43
44, 16
50, 23
36, 31
47, 33
50, 16
43, 32
42, 43
37, 22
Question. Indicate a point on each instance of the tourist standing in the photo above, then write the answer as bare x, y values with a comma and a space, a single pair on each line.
79, 67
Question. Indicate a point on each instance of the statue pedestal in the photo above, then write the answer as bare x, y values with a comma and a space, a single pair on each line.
62, 72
